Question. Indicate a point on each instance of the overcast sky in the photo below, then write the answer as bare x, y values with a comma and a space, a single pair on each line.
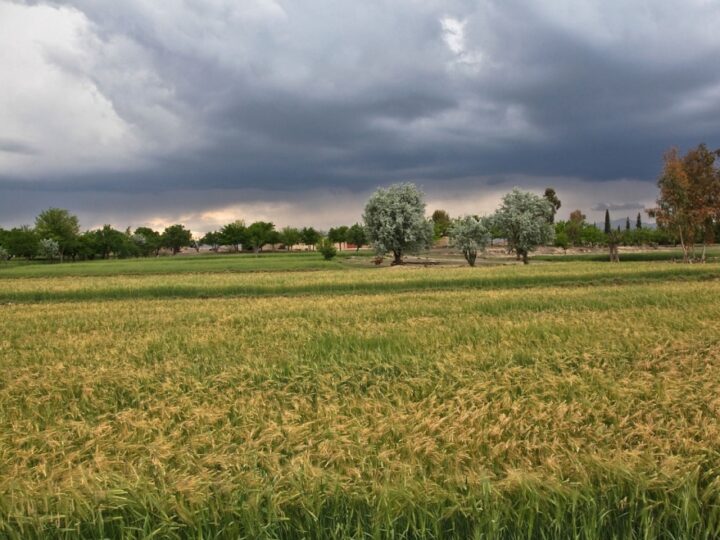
140, 112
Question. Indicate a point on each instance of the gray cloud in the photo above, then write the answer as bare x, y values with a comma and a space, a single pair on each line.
185, 108
11, 146
601, 207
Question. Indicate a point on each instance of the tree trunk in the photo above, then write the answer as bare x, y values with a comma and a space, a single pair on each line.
525, 257
684, 248
702, 257
397, 258
470, 257
614, 255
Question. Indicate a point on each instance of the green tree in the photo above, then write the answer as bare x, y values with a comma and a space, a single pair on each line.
493, 229
109, 241
128, 246
273, 238
524, 219
147, 241
309, 236
22, 242
176, 237
234, 234
553, 199
259, 234
4, 254
441, 223
338, 235
608, 224
395, 221
356, 235
469, 235
59, 225
214, 239
87, 245
627, 223
638, 222
289, 236
591, 235
562, 240
574, 227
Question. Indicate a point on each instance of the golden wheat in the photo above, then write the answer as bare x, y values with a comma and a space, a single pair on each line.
437, 413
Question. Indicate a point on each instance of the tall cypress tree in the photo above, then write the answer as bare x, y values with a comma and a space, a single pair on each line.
638, 223
608, 227
627, 223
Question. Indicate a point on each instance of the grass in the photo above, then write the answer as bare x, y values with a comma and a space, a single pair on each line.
368, 281
551, 401
182, 264
663, 254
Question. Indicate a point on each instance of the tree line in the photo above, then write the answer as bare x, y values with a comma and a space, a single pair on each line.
395, 222
56, 235
687, 211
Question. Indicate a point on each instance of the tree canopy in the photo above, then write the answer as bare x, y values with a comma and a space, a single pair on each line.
259, 234
234, 234
441, 223
59, 225
338, 235
176, 237
289, 236
310, 237
689, 202
525, 220
553, 199
469, 235
357, 236
395, 221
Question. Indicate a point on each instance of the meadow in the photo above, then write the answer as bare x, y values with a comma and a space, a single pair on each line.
326, 400
183, 264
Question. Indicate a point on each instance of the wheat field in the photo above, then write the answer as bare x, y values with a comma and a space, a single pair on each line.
565, 400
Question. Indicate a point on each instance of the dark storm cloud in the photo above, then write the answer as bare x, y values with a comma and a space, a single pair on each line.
230, 102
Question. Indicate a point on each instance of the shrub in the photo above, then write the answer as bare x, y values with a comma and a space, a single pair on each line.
327, 249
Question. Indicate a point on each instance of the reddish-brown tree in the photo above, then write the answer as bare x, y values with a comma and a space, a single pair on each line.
674, 210
575, 226
704, 179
